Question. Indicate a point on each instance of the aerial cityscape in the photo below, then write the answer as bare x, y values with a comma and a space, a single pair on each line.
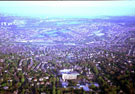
67, 55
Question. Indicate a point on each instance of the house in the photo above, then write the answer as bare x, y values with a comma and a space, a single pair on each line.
5, 87
2, 60
29, 79
41, 79
19, 69
42, 83
35, 80
85, 88
46, 77
69, 76
64, 84
66, 70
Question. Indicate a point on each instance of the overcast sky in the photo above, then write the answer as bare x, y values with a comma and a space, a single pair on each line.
68, 8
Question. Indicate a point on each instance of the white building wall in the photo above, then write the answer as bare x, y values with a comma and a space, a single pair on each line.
69, 76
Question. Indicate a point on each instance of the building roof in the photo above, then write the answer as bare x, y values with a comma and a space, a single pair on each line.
85, 88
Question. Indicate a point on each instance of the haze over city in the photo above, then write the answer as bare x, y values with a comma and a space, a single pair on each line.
62, 9
67, 47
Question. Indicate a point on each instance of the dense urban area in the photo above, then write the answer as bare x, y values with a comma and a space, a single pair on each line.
67, 56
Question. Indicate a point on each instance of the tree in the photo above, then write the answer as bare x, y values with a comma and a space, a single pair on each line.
93, 86
58, 91
95, 70
100, 80
84, 92
54, 88
22, 79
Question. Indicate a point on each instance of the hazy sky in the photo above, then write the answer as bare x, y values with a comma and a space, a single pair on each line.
68, 8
